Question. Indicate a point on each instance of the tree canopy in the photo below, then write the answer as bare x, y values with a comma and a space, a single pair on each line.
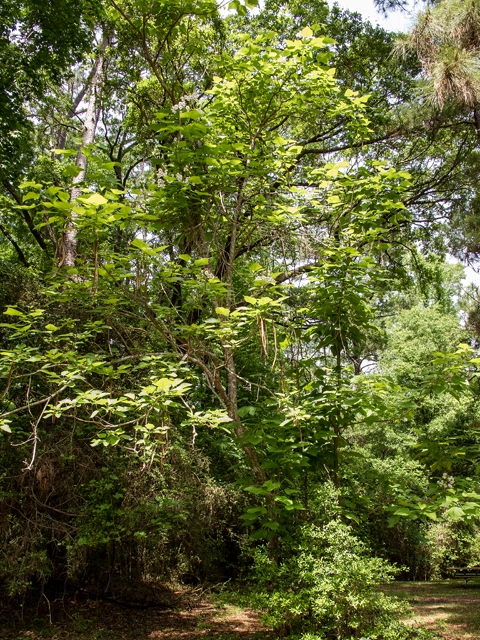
233, 340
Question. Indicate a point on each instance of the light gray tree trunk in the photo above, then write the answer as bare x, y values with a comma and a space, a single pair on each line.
61, 137
70, 237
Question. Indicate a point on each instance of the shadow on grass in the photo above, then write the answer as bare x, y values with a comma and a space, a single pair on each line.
444, 606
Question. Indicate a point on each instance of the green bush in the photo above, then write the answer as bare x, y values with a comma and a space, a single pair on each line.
452, 544
325, 585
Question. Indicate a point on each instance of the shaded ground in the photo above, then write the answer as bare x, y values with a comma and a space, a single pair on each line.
445, 607
100, 620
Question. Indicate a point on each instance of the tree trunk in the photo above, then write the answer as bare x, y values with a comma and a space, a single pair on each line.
232, 383
70, 238
61, 137
336, 428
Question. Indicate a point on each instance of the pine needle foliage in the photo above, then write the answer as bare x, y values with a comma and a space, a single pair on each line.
446, 39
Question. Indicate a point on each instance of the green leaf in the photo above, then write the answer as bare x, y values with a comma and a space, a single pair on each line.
71, 170
239, 8
13, 312
273, 486
222, 311
64, 152
248, 410
163, 383
306, 33
258, 491
31, 195
110, 165
201, 261
50, 327
96, 199
455, 513
194, 114
140, 244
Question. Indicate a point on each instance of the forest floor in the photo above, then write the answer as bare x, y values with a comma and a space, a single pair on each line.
90, 619
445, 607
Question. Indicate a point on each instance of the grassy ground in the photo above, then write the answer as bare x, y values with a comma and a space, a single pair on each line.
444, 607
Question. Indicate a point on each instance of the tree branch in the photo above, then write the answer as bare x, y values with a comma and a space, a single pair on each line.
28, 219
294, 273
20, 253
34, 404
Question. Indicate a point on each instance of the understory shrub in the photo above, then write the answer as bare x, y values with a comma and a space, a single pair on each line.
450, 544
325, 585
125, 523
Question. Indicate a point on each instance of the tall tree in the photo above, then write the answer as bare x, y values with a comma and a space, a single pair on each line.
69, 248
38, 44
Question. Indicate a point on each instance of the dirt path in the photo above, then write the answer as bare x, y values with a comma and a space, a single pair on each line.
446, 608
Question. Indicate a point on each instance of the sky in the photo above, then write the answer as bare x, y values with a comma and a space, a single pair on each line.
397, 21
